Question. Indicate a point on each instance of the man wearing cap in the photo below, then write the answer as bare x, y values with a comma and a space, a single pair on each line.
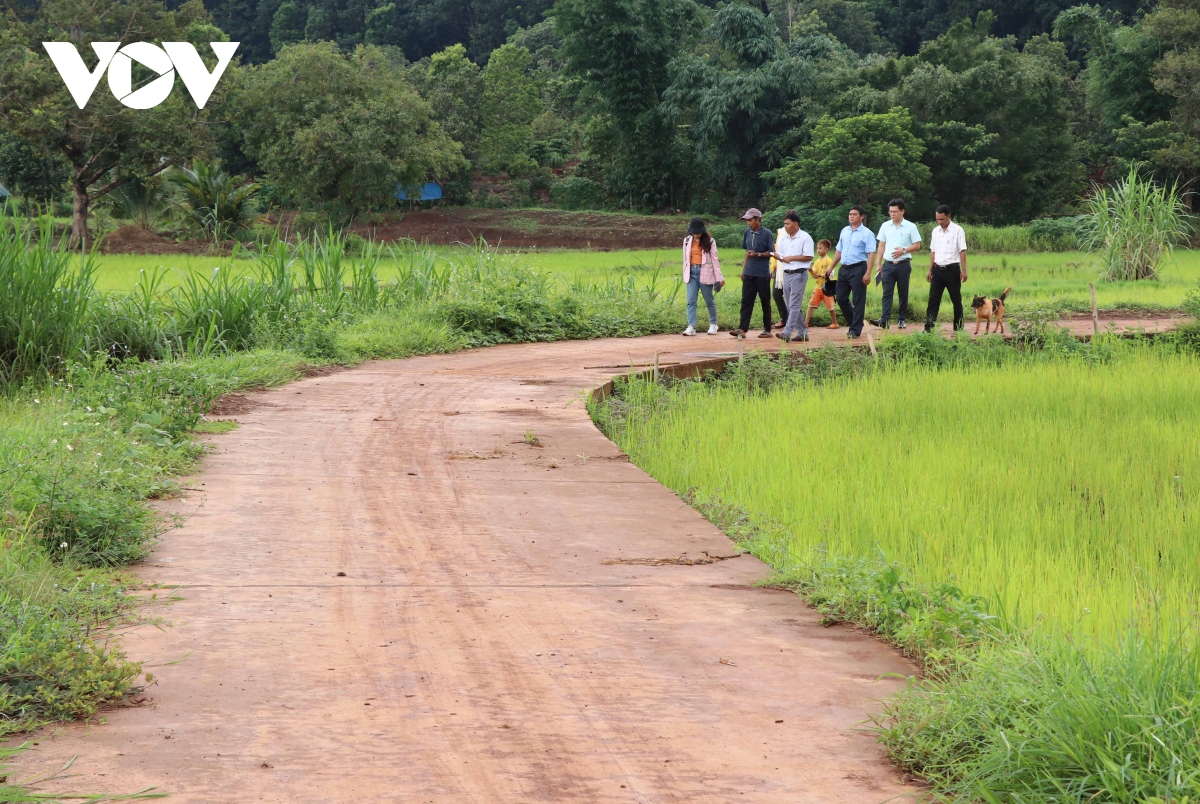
756, 273
855, 247
898, 241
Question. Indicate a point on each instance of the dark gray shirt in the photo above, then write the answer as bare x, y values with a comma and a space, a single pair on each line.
762, 240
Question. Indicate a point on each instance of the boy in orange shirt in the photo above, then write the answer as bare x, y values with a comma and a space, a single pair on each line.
821, 271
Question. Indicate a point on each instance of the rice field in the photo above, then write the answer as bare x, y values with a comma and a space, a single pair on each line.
1055, 280
1065, 493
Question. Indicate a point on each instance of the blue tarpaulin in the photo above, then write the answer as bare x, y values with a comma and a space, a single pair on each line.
4, 193
432, 191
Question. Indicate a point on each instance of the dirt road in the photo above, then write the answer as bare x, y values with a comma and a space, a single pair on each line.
389, 596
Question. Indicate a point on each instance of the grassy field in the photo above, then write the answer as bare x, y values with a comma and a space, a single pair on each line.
1022, 520
1056, 281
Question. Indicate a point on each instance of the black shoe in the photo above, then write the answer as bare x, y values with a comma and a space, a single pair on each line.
901, 324
784, 338
737, 333
765, 334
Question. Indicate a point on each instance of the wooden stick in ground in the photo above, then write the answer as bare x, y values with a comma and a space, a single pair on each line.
871, 346
1095, 312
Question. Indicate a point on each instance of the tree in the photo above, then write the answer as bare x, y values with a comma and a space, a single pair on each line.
338, 132
737, 104
36, 176
620, 50
1000, 119
865, 159
510, 103
1176, 23
106, 144
452, 85
850, 22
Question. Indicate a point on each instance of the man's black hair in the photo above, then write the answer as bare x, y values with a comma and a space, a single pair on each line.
896, 202
792, 216
943, 209
859, 209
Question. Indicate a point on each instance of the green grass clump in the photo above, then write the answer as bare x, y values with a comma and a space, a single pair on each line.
1016, 518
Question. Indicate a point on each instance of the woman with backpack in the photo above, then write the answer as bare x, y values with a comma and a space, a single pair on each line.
702, 273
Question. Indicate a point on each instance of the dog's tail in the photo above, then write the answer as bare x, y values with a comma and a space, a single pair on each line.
1004, 295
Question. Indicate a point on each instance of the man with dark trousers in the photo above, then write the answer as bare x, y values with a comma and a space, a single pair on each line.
756, 273
947, 267
898, 241
855, 251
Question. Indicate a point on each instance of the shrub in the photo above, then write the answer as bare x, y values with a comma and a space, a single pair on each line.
1134, 225
577, 192
212, 202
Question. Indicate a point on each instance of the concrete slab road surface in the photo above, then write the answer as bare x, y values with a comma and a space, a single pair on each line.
388, 596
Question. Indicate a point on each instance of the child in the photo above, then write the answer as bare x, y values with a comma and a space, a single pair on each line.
822, 272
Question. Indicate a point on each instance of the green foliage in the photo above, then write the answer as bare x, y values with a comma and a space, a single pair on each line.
576, 192
621, 49
335, 132
142, 201
105, 143
212, 202
1134, 225
865, 159
739, 105
848, 21
54, 661
510, 102
453, 87
38, 176
46, 296
1115, 723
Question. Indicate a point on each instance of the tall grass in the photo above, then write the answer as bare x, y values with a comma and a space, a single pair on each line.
46, 299
1134, 224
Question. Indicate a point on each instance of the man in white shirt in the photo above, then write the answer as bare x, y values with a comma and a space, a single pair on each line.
898, 241
793, 255
947, 267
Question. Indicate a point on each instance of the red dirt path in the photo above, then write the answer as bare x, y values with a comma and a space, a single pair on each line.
388, 596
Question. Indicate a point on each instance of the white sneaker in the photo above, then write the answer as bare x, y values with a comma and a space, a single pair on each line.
690, 331
713, 329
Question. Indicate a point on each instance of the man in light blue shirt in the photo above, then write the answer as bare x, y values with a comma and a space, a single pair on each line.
855, 250
898, 241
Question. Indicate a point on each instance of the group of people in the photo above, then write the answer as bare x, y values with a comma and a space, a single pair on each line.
780, 266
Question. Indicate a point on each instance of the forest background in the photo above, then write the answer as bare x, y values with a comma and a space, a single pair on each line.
1007, 111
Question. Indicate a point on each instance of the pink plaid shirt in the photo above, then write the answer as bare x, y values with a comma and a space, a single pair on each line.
710, 269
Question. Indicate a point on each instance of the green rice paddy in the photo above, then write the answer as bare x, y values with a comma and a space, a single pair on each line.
1066, 493
1058, 281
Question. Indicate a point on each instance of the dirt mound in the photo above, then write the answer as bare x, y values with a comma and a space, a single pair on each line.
133, 239
530, 228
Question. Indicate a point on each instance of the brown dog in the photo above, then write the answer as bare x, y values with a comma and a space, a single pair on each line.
990, 310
